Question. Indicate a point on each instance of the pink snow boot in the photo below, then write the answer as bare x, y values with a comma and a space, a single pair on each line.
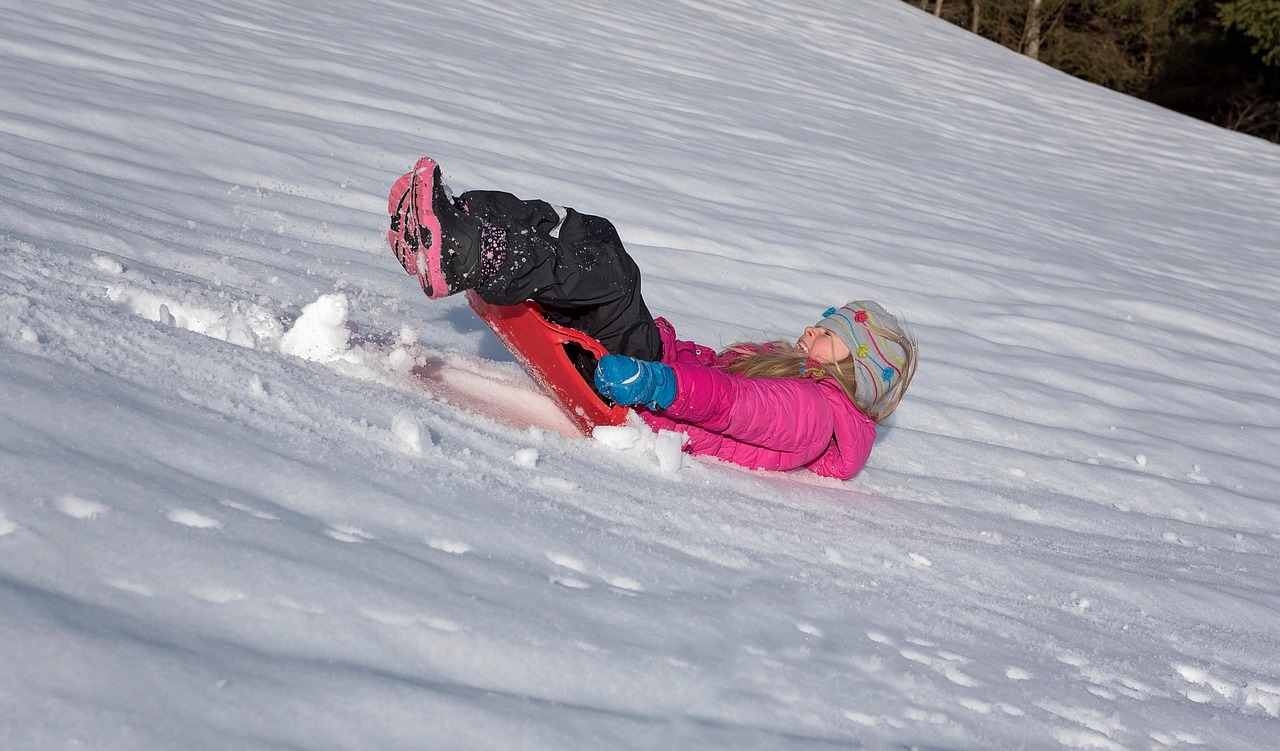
430, 237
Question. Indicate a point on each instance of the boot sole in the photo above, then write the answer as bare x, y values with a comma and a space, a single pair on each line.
415, 229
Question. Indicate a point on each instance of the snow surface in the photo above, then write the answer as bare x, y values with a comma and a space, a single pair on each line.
240, 509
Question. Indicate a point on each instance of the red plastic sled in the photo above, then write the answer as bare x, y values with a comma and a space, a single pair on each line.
539, 345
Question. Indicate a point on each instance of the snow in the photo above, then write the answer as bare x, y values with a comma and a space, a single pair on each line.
242, 505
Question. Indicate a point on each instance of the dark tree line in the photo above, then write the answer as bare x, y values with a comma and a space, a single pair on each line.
1216, 60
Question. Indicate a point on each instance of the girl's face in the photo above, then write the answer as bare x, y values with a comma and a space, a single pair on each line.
822, 345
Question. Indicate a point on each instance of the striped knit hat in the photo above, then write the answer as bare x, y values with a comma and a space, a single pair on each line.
878, 361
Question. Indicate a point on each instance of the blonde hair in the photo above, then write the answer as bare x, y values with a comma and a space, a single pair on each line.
782, 359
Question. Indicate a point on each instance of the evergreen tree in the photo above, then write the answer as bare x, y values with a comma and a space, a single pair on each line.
1258, 20
1120, 44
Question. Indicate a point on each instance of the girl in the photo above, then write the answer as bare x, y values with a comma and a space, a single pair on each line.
774, 405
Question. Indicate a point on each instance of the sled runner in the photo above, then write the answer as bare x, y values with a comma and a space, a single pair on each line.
540, 346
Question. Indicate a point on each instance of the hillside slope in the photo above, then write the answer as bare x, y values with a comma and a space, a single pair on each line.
237, 512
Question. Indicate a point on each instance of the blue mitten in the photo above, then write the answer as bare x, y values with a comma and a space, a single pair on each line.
627, 380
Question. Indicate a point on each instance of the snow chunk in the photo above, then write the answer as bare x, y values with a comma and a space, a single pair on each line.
108, 265
617, 437
667, 445
320, 334
526, 457
407, 434
669, 448
1263, 695
400, 361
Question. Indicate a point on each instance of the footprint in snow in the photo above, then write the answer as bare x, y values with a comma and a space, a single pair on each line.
218, 595
927, 653
571, 582
805, 627
624, 583
573, 564
128, 586
188, 518
1208, 688
79, 508
946, 664
880, 638
557, 485
299, 607
456, 547
871, 720
251, 511
919, 561
405, 620
1175, 738
348, 533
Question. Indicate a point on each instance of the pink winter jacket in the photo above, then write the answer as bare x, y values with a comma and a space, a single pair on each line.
761, 423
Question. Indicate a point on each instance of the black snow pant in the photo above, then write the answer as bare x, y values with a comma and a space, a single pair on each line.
573, 265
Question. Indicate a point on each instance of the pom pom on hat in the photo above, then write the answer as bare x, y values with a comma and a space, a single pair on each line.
878, 360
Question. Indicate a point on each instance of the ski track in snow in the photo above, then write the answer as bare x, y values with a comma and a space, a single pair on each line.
256, 492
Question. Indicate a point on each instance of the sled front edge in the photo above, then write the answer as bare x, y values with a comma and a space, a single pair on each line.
539, 345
